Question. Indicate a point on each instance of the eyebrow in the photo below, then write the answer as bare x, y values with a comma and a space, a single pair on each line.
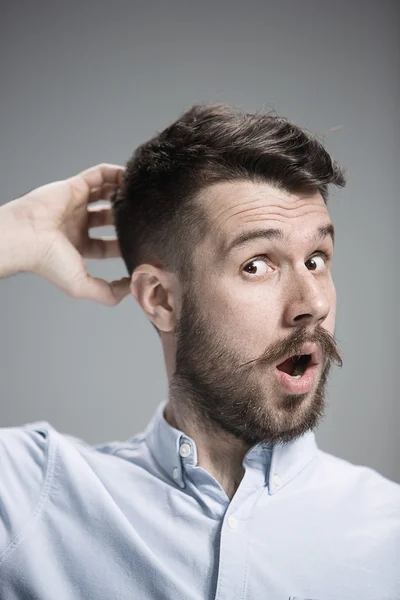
273, 234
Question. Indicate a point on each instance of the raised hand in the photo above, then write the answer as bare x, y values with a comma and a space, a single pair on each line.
47, 232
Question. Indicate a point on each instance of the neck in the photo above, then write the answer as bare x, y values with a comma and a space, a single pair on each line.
219, 453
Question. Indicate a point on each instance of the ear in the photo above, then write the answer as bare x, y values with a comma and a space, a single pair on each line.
156, 290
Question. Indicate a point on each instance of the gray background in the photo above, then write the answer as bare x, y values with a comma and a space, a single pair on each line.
83, 83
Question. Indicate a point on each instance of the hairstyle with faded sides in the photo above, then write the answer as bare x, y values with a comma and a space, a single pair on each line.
158, 216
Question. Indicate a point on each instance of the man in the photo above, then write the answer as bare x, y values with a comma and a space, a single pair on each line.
223, 225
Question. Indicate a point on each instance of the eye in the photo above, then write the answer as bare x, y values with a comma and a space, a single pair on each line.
325, 259
257, 259
313, 262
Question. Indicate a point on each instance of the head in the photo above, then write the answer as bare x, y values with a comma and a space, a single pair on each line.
223, 225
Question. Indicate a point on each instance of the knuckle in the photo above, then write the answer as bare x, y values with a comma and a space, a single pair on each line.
76, 289
78, 185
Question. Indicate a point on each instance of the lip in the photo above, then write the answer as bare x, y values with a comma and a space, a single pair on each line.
307, 380
310, 348
298, 386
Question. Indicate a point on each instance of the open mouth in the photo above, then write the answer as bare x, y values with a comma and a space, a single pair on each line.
296, 365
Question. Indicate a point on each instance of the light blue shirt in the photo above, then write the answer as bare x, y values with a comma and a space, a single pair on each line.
139, 520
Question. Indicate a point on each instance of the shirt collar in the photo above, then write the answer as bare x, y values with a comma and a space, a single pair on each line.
172, 449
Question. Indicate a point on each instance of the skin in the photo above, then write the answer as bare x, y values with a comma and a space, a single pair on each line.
224, 331
46, 231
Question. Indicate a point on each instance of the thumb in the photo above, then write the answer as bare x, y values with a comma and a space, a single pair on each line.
99, 290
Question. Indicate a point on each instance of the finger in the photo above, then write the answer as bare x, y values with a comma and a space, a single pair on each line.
100, 174
102, 247
100, 217
99, 290
105, 192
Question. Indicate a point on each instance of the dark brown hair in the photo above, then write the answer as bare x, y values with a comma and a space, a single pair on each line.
158, 216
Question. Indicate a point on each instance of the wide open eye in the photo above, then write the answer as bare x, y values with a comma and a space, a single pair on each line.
258, 270
325, 259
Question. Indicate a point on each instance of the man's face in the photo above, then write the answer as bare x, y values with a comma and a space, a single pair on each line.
247, 309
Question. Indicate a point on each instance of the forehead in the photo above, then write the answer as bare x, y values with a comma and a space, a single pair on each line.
236, 208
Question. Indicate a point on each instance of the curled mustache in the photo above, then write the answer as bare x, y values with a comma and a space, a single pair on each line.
294, 344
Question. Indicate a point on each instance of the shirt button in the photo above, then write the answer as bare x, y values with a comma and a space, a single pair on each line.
276, 479
175, 473
184, 450
232, 522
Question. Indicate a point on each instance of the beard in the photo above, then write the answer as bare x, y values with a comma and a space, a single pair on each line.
220, 391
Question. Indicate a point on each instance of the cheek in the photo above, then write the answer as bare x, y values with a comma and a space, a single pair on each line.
332, 312
243, 318
329, 323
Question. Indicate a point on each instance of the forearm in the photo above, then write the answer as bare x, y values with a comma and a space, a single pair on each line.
17, 245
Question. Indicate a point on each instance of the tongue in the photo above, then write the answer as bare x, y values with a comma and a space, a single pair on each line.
286, 366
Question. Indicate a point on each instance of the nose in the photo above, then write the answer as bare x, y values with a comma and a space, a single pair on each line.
308, 301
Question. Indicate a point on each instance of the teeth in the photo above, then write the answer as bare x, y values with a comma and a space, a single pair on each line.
296, 376
298, 372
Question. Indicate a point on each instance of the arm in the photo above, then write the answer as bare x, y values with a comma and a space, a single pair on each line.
47, 232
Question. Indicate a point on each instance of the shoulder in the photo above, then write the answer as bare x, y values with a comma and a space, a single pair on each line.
367, 486
35, 460
24, 452
27, 458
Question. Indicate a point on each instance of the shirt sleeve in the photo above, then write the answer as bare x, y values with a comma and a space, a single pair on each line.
23, 466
